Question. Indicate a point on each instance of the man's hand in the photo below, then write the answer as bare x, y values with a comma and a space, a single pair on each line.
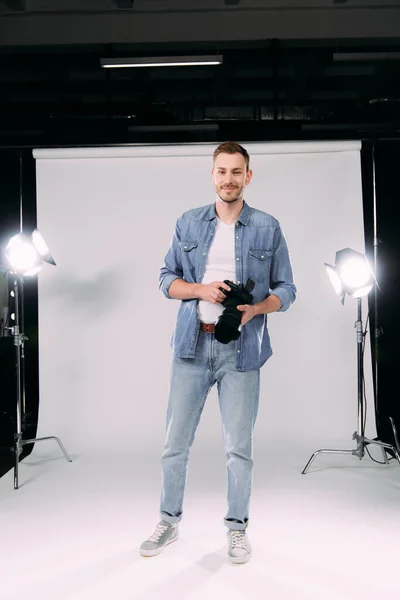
248, 312
210, 292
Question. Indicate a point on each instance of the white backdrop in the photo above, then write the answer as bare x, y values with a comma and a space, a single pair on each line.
108, 215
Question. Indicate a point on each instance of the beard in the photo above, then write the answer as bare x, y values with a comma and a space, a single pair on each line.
237, 194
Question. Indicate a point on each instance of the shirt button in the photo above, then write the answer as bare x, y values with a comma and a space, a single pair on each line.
238, 351
238, 259
262, 255
204, 253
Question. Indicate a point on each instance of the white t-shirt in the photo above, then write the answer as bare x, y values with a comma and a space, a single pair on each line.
220, 265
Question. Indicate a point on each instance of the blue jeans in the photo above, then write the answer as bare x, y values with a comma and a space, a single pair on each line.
238, 393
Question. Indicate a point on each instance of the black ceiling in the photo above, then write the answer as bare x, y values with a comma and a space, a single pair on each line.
271, 88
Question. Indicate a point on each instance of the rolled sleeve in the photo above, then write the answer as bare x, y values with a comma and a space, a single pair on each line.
281, 279
165, 284
172, 268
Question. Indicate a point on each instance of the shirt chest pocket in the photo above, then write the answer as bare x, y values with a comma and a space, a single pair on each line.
259, 264
188, 257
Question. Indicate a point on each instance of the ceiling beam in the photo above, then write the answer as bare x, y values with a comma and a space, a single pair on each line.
15, 5
123, 3
206, 26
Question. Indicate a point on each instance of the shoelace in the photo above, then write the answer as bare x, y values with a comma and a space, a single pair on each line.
160, 529
238, 539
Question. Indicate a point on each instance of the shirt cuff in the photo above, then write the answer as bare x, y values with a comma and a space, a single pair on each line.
166, 284
284, 297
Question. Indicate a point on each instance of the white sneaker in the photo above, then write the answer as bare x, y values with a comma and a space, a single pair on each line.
239, 546
164, 534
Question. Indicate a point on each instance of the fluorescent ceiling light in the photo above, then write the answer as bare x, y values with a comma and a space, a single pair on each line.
161, 61
149, 128
363, 56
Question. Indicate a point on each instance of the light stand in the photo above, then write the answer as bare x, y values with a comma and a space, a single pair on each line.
25, 255
378, 330
19, 343
359, 435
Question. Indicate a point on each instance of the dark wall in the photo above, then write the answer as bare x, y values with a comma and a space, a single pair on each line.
10, 170
387, 161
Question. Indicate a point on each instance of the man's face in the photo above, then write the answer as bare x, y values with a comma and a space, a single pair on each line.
229, 177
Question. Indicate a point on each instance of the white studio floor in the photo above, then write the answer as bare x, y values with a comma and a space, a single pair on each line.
72, 531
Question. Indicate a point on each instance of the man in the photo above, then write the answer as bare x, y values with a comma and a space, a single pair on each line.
226, 240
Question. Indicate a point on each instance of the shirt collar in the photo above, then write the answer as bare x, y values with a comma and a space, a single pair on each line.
244, 216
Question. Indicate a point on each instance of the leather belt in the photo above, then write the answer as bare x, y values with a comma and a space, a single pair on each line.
207, 327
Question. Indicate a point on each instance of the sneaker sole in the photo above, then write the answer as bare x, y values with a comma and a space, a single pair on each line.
239, 560
150, 553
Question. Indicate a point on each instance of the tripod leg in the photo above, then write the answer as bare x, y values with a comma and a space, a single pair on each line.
324, 451
304, 471
51, 437
16, 460
384, 445
396, 437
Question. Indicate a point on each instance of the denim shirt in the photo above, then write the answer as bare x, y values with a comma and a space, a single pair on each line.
261, 253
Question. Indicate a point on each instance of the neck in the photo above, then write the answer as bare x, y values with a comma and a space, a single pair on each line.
228, 213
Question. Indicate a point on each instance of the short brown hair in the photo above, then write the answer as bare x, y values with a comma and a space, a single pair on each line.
233, 148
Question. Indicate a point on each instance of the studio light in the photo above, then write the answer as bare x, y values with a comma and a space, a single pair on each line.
23, 257
161, 61
353, 276
42, 247
26, 254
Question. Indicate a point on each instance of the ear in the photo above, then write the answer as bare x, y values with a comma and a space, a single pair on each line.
249, 177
